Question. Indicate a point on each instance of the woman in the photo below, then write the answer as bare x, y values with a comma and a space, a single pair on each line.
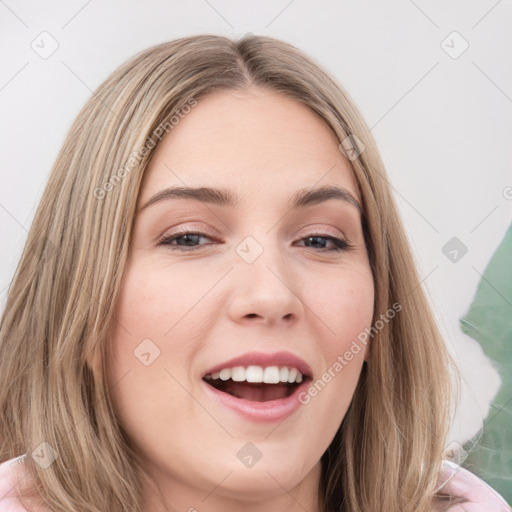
217, 308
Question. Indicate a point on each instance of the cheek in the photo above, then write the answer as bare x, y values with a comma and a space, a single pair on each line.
151, 329
343, 304
352, 317
146, 364
157, 300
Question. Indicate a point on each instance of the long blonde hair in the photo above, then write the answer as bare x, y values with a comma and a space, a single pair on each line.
387, 452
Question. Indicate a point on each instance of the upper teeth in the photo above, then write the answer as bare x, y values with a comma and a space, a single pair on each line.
268, 375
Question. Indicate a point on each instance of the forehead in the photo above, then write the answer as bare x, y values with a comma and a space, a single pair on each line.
257, 142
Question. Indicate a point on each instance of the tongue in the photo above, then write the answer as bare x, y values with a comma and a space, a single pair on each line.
256, 392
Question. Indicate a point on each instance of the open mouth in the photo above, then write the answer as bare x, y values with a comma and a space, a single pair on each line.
261, 388
255, 383
254, 391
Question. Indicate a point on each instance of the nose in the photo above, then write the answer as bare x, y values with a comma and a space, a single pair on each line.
265, 291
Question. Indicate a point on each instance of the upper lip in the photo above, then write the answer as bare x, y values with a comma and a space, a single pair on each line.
265, 359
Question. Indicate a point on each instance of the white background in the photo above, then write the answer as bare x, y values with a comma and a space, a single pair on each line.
443, 124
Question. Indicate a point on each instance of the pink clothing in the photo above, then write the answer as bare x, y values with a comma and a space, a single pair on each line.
11, 472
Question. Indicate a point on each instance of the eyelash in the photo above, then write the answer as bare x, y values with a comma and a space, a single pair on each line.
339, 244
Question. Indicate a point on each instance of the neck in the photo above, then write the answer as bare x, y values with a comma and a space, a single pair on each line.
265, 493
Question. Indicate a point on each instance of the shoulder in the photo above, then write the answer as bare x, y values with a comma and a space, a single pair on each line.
460, 490
12, 475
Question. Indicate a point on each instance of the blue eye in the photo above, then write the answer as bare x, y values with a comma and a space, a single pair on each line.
190, 239
339, 244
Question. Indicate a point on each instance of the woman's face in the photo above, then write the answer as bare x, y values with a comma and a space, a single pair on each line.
257, 280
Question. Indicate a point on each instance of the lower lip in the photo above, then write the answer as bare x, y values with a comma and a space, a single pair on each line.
261, 412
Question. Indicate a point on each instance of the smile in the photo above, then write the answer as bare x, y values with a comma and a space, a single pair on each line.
259, 392
251, 383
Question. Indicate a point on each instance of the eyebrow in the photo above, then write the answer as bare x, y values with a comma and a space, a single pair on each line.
226, 198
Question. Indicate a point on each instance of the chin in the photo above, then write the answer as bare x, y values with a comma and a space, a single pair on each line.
259, 484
